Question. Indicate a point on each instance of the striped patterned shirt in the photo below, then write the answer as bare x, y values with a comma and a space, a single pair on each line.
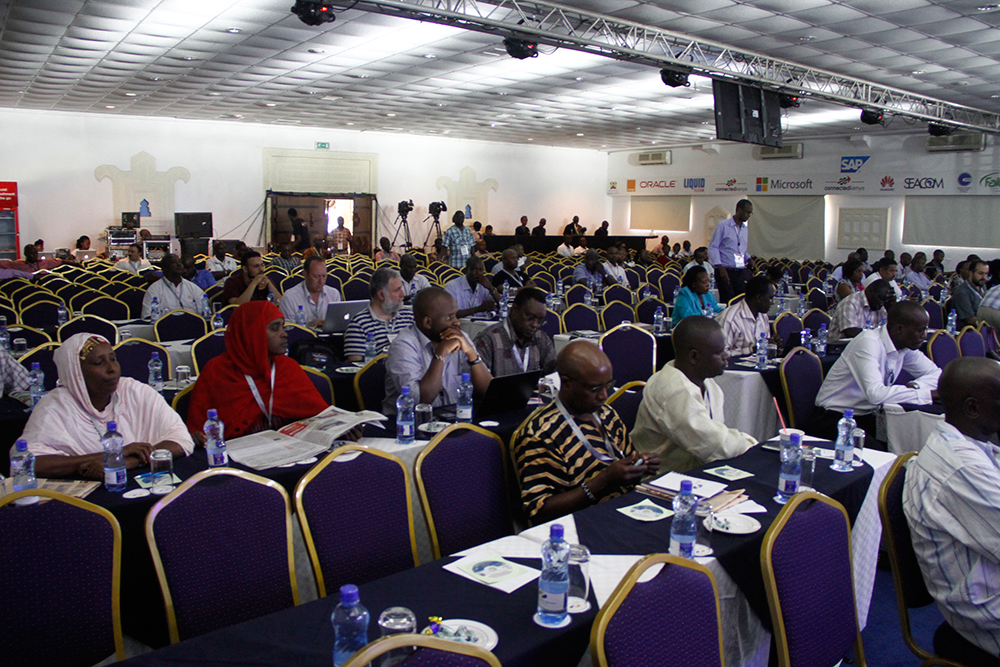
952, 503
551, 460
742, 329
852, 313
459, 241
384, 332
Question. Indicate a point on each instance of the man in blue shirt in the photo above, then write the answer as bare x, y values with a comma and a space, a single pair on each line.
203, 278
728, 252
591, 272
459, 241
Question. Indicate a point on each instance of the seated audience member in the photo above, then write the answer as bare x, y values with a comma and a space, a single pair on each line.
576, 451
989, 308
510, 273
951, 499
251, 283
775, 273
567, 248
663, 248
860, 308
312, 294
838, 271
686, 250
65, 428
220, 264
864, 376
695, 296
700, 258
539, 230
523, 229
479, 249
386, 251
202, 278
13, 376
918, 272
384, 319
31, 263
905, 259
885, 269
253, 385
473, 292
862, 254
172, 291
285, 260
431, 356
675, 252
853, 274
518, 345
440, 252
477, 231
937, 261
413, 282
960, 276
488, 231
591, 272
682, 411
613, 266
602, 231
743, 322
82, 248
317, 249
969, 295
133, 262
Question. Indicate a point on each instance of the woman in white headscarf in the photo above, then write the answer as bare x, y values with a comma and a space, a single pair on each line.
65, 428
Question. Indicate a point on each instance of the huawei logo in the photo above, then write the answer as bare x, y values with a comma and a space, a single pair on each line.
887, 182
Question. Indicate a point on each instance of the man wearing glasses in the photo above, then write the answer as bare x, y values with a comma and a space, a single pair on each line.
681, 414
576, 451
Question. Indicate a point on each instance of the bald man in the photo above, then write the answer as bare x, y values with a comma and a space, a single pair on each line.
952, 503
681, 417
510, 273
431, 356
575, 451
864, 377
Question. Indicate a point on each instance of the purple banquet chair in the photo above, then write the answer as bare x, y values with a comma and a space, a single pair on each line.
206, 348
369, 384
626, 402
133, 356
552, 324
88, 324
814, 318
942, 348
615, 313
180, 324
579, 317
935, 316
618, 293
786, 326
647, 308
801, 377
971, 343
632, 352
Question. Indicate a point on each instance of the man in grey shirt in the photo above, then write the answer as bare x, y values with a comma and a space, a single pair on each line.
431, 356
969, 294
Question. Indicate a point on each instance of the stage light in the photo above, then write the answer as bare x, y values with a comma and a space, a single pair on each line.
674, 78
786, 101
939, 130
313, 12
871, 116
520, 48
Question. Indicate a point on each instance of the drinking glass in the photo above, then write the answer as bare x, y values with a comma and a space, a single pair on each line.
859, 447
578, 600
808, 466
19, 347
183, 375
705, 521
392, 621
124, 334
161, 468
424, 414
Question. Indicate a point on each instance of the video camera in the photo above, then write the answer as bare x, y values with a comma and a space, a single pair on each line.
435, 208
404, 207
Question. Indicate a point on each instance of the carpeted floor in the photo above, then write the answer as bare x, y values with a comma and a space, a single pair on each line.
882, 638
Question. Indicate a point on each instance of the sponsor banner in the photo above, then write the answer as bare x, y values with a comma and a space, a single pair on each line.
874, 183
695, 184
851, 164
844, 184
731, 185
8, 194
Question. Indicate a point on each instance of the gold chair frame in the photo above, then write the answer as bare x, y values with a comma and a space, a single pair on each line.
381, 646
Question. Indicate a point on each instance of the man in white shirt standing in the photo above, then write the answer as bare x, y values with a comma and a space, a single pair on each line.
853, 312
134, 262
313, 294
743, 322
682, 410
951, 499
172, 291
728, 251
864, 377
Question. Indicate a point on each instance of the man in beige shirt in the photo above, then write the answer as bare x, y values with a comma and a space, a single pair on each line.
681, 415
743, 322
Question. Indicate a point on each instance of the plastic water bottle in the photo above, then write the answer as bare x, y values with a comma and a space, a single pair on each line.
155, 372
711, 280
36, 383
781, 304
658, 320
683, 530
553, 584
22, 467
791, 468
206, 307
588, 298
802, 308
843, 456
504, 308
350, 621
300, 316
115, 479
707, 310
677, 291
62, 315
371, 349
668, 324
218, 322
761, 364
645, 292
869, 323
4, 338
823, 335
215, 440
805, 339
405, 430
953, 322
464, 411
506, 292
154, 309
943, 296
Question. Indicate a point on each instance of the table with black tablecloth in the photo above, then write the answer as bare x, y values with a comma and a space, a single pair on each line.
13, 418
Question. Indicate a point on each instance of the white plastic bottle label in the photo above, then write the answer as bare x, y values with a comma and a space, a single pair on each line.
464, 413
114, 477
552, 602
219, 457
683, 547
404, 429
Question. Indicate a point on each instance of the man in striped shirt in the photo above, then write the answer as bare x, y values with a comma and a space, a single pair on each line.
576, 451
952, 503
385, 316
856, 310
743, 322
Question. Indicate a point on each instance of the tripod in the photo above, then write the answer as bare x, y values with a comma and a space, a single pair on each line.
403, 228
435, 227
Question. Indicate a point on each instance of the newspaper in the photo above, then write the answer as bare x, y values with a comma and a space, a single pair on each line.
74, 488
330, 424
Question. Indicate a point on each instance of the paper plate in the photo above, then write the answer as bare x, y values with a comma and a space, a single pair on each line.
483, 635
735, 524
348, 369
161, 490
136, 493
433, 427
305, 462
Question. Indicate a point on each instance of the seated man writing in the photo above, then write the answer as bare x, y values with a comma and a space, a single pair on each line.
473, 292
518, 345
576, 451
864, 376
952, 505
682, 410
431, 356
384, 318
744, 322
860, 307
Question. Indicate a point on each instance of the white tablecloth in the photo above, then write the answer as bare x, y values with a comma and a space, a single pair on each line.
908, 431
749, 404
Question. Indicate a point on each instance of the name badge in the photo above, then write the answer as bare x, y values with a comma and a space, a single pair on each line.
738, 260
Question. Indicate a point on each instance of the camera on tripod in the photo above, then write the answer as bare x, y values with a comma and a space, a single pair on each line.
435, 208
404, 207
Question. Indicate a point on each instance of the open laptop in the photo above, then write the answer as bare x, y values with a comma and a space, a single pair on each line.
507, 393
339, 314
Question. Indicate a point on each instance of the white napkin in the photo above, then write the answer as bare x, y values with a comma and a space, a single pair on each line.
606, 572
507, 586
540, 533
748, 507
511, 546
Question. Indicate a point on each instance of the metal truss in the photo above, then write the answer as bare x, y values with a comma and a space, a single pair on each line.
555, 25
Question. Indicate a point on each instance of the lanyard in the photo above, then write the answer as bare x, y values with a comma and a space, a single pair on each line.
114, 409
738, 240
600, 456
517, 279
517, 354
260, 401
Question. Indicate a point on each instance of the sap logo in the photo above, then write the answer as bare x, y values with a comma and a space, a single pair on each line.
888, 182
925, 183
851, 164
991, 180
965, 178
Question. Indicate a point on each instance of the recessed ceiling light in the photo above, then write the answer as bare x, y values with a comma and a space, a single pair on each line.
987, 8
995, 96
579, 78
807, 38
109, 106
652, 142
429, 55
308, 92
317, 51
270, 104
234, 31
328, 98
129, 94
215, 94
918, 72
530, 139
188, 58
493, 124
706, 122
579, 134
390, 114
348, 123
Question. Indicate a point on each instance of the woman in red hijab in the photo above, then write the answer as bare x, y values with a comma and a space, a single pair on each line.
253, 385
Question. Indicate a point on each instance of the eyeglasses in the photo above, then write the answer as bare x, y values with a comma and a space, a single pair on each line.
596, 389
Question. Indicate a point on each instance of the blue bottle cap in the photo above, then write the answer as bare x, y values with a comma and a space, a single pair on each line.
21, 445
685, 486
556, 531
35, 366
156, 355
465, 377
348, 594
212, 413
112, 426
405, 391
795, 439
849, 413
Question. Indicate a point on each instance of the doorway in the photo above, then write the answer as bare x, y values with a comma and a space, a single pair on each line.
320, 212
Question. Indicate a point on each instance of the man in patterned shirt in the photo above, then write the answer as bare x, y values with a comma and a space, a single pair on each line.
339, 240
853, 312
385, 316
576, 451
518, 345
13, 376
743, 322
458, 240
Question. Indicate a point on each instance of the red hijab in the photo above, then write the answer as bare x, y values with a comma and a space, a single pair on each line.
222, 384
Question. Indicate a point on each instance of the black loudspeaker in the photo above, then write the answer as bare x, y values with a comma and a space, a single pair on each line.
130, 220
192, 225
747, 114
192, 247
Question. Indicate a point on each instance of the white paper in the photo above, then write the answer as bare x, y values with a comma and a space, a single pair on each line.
507, 586
270, 449
511, 546
702, 488
540, 533
330, 424
805, 438
606, 572
877, 459
747, 507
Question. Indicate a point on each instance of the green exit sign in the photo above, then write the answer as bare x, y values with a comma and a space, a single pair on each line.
323, 144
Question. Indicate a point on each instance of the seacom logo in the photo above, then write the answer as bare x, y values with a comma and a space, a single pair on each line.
887, 183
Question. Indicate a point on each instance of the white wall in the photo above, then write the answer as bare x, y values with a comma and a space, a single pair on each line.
52, 157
